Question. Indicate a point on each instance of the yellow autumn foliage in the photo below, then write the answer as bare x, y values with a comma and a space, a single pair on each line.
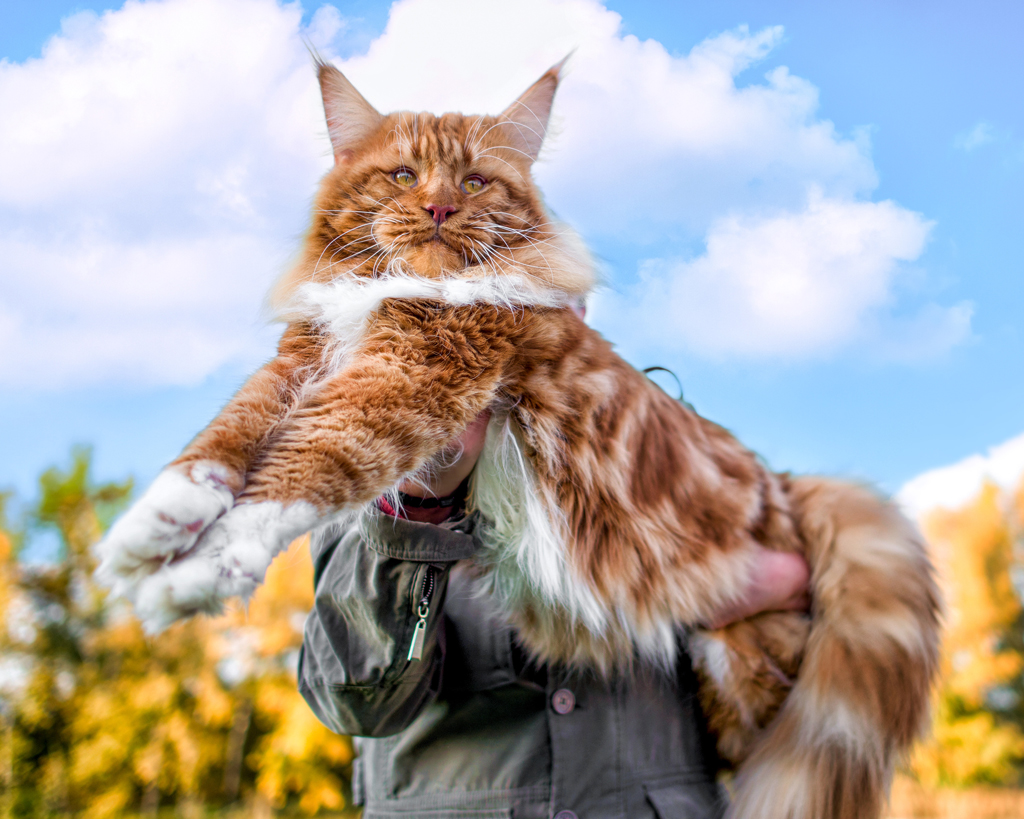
107, 722
978, 730
297, 757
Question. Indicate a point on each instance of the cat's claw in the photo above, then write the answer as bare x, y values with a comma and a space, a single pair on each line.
230, 559
165, 522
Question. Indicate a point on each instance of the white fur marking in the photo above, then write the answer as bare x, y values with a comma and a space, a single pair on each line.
713, 656
524, 540
828, 720
773, 790
343, 306
229, 560
167, 520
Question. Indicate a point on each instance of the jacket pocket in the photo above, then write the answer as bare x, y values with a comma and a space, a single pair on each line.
698, 800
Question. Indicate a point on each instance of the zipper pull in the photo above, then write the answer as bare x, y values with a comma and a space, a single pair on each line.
419, 634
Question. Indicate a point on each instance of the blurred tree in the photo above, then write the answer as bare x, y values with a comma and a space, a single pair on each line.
101, 721
296, 757
979, 719
10, 662
48, 609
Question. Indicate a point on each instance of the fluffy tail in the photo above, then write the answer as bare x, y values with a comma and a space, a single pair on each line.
861, 696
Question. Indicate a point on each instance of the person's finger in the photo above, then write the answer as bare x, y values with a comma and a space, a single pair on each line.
779, 582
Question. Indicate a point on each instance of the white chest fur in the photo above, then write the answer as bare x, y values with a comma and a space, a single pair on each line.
343, 306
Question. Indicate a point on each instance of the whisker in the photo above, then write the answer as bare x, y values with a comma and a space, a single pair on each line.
500, 122
316, 265
513, 167
486, 151
470, 143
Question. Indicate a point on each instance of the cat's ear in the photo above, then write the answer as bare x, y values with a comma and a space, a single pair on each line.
350, 118
527, 118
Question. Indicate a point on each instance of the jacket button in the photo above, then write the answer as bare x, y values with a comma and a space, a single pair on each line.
564, 701
565, 814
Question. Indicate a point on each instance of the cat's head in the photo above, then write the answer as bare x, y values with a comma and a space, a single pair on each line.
436, 196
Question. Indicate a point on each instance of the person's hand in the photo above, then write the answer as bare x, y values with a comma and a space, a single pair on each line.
453, 466
779, 583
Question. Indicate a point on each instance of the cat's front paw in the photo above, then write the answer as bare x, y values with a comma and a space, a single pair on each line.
229, 560
166, 521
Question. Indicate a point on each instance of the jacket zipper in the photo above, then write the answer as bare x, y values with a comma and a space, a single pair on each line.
419, 634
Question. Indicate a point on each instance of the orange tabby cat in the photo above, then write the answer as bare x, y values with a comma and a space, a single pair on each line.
433, 285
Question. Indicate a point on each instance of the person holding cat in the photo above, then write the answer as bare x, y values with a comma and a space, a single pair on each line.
473, 728
542, 651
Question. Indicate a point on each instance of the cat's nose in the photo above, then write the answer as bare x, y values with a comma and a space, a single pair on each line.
440, 212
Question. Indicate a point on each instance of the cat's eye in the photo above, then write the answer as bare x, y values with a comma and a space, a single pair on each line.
404, 177
473, 184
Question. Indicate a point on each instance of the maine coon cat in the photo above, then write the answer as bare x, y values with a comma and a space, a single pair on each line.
432, 285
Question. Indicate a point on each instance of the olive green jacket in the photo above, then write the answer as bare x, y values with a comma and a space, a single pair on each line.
472, 729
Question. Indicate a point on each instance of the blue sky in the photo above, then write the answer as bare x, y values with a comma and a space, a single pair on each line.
811, 212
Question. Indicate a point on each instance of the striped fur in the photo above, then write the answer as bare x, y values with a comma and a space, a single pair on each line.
615, 519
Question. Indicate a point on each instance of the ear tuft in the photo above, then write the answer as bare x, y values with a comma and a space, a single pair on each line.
350, 118
527, 117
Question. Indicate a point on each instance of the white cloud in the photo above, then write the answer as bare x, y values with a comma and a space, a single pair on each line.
953, 486
155, 168
641, 137
981, 134
798, 263
927, 333
149, 312
793, 284
156, 165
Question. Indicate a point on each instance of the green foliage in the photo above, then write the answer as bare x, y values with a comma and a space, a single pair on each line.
9, 535
100, 721
78, 509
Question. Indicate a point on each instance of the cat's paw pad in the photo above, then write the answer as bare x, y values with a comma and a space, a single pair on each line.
166, 521
230, 559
